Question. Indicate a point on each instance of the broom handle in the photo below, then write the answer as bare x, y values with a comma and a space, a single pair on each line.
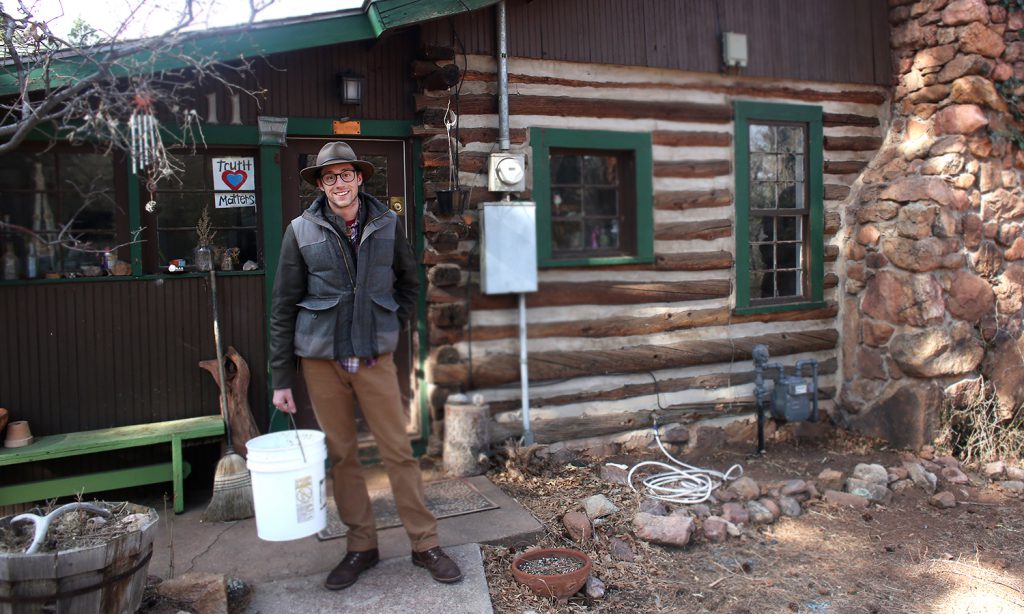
220, 360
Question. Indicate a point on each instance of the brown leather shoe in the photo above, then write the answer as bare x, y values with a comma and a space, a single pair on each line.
348, 570
440, 565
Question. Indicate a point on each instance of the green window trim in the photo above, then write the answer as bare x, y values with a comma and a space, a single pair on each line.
745, 112
636, 143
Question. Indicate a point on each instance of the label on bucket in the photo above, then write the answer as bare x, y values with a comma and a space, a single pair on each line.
323, 493
304, 505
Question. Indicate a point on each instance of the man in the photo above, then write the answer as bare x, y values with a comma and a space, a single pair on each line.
346, 283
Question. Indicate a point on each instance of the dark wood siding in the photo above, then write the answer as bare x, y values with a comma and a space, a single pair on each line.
88, 355
302, 83
819, 40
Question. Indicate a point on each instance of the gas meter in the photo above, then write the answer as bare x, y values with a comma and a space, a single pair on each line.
793, 399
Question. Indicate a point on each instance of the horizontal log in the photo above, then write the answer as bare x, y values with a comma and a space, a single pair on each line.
832, 222
469, 161
557, 294
852, 143
693, 261
682, 231
571, 106
832, 120
689, 199
559, 428
831, 253
431, 256
500, 369
649, 325
831, 280
564, 428
705, 381
691, 139
690, 169
768, 91
551, 294
489, 135
844, 167
442, 78
834, 191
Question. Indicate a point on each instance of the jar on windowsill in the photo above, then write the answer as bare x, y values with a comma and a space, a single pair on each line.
203, 256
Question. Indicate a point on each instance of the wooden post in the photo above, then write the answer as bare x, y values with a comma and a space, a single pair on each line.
466, 435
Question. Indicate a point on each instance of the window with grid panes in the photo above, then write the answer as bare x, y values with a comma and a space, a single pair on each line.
593, 191
180, 203
779, 206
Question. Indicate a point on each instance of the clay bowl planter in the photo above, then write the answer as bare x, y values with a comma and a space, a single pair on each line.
552, 572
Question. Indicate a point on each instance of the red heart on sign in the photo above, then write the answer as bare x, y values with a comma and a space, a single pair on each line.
234, 179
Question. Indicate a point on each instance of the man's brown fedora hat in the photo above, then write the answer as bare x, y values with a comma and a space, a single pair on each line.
337, 152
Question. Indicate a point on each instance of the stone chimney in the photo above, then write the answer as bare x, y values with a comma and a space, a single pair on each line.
934, 250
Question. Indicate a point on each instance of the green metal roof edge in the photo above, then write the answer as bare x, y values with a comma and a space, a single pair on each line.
225, 45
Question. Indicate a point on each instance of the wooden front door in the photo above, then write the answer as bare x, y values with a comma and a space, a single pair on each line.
390, 184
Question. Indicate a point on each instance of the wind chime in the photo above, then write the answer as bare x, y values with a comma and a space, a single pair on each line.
146, 146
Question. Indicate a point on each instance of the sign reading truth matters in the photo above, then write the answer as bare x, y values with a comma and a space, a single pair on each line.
234, 180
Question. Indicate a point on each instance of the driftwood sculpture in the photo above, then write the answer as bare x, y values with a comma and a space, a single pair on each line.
236, 371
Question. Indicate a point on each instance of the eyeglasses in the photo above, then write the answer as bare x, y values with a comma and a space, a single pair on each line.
332, 178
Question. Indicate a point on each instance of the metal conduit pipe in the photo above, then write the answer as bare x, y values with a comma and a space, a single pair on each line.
503, 134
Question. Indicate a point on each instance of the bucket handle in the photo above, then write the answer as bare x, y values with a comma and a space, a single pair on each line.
295, 429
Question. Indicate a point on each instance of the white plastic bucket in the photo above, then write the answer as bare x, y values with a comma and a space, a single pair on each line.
288, 492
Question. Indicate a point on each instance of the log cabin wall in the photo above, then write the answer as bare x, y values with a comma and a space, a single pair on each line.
610, 345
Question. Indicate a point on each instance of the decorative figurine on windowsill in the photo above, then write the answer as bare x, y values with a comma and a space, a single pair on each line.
229, 259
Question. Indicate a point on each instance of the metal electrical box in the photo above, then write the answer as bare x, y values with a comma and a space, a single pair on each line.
506, 172
508, 253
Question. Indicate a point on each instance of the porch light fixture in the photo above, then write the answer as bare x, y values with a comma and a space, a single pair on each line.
350, 88
272, 130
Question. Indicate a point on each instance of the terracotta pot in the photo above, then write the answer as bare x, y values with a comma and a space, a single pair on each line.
18, 434
559, 586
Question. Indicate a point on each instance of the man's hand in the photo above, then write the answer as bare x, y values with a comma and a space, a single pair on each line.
284, 401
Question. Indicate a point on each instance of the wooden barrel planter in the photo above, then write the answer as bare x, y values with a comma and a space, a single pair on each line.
105, 579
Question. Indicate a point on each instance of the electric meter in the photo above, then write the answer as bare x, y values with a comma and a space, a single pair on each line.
506, 173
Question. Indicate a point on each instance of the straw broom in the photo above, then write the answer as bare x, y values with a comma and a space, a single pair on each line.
232, 485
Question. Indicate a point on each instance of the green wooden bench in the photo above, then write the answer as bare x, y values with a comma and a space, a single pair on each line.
104, 440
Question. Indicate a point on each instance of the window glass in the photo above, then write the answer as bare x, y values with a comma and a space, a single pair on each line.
586, 203
774, 203
181, 201
66, 200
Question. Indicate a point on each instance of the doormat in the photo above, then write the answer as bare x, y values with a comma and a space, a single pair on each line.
445, 498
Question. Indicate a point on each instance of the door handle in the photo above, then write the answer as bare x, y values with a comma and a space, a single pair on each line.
397, 204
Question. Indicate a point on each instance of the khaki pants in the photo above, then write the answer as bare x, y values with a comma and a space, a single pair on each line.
333, 392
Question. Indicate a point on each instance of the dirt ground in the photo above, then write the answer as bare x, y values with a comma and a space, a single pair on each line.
905, 557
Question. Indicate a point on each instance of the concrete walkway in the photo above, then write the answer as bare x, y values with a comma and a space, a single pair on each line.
288, 576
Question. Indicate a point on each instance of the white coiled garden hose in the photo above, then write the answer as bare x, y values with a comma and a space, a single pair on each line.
681, 483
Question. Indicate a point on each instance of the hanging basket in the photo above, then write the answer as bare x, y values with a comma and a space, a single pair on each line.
451, 201
106, 579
